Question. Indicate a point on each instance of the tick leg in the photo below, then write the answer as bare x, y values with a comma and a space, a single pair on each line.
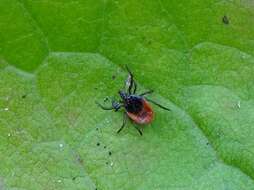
131, 85
103, 107
132, 82
135, 86
130, 79
155, 103
140, 132
147, 92
116, 105
124, 122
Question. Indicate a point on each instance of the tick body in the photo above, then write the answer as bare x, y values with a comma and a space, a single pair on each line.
136, 106
138, 109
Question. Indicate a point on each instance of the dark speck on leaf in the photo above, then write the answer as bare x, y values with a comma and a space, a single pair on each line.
79, 159
98, 144
207, 143
95, 88
97, 129
225, 19
107, 163
113, 77
109, 153
73, 178
24, 96
105, 147
105, 99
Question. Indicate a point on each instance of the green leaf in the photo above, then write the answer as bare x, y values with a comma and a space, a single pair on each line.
58, 57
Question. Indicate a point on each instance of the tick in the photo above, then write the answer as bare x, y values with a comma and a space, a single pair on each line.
136, 106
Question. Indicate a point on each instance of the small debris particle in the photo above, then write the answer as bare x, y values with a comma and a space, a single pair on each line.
239, 104
109, 153
113, 77
61, 145
6, 109
9, 134
24, 96
59, 181
225, 19
105, 99
111, 164
98, 144
80, 160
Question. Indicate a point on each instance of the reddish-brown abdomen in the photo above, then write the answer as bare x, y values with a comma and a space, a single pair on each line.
145, 116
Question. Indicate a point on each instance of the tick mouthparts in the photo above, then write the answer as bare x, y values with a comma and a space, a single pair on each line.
122, 94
